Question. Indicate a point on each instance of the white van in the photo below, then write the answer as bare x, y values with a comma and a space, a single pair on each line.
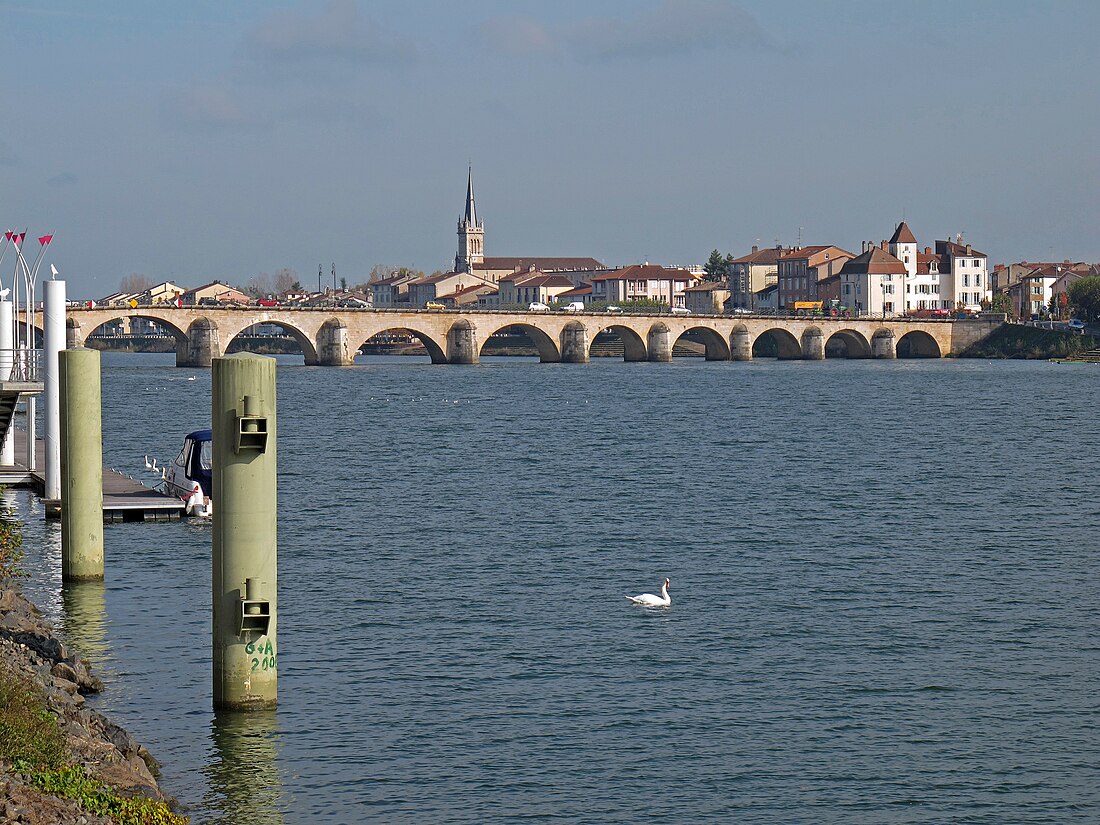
575, 306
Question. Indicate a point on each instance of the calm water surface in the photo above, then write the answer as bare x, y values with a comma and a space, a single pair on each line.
883, 574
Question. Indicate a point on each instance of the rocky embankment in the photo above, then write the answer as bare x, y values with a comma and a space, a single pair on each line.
38, 669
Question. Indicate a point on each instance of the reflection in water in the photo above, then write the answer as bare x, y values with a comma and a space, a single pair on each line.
243, 779
84, 621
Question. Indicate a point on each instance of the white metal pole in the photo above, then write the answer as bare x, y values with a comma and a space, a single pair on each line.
7, 361
53, 321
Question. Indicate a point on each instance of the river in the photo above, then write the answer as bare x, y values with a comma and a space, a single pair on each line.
883, 580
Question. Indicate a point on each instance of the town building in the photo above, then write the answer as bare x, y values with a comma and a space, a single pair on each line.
392, 291
433, 287
643, 282
964, 276
163, 294
707, 298
873, 282
471, 252
751, 273
213, 293
799, 271
521, 288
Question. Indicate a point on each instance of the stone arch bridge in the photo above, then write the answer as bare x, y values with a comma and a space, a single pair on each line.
331, 336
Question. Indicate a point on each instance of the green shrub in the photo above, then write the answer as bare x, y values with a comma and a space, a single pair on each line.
73, 782
11, 542
28, 732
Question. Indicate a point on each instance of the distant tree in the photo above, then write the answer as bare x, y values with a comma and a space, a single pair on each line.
134, 282
344, 284
379, 272
258, 285
716, 267
1084, 297
1002, 303
297, 287
284, 280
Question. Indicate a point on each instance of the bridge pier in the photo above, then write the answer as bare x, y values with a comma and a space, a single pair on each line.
74, 335
659, 343
741, 345
574, 344
461, 344
813, 344
883, 344
201, 346
332, 345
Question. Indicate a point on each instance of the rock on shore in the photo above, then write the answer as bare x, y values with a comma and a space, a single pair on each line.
29, 647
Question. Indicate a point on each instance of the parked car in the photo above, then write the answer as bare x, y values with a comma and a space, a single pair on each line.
740, 311
1076, 324
537, 306
267, 302
573, 306
679, 311
613, 308
434, 305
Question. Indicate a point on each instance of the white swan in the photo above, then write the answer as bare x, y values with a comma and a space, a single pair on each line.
148, 464
649, 600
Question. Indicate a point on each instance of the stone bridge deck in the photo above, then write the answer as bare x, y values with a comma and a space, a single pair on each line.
331, 336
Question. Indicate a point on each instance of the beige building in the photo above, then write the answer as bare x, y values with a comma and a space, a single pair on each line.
524, 288
751, 273
163, 294
215, 292
707, 298
427, 289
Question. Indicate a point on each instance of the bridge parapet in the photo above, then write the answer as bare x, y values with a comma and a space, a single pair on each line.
330, 336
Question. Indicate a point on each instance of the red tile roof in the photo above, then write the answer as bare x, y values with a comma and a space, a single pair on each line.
646, 272
543, 264
902, 234
874, 261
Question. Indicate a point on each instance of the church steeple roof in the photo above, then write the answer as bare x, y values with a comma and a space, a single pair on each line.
471, 214
903, 234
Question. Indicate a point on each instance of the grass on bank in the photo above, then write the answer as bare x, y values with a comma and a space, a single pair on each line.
1018, 341
31, 740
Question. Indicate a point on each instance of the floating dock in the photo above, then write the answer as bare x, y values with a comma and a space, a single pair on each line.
125, 499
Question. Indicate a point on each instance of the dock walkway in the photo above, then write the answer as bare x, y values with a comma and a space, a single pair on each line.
125, 499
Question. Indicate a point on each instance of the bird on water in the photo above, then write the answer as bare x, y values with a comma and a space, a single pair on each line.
649, 600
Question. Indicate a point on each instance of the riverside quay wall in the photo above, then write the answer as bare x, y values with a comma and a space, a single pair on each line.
330, 336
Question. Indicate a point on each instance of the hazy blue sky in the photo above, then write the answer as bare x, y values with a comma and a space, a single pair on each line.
200, 140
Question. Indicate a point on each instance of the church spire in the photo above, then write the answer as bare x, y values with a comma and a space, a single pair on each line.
471, 233
471, 213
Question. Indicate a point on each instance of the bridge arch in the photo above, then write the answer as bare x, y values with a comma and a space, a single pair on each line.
77, 335
309, 349
716, 347
776, 343
549, 353
918, 344
634, 345
847, 343
436, 350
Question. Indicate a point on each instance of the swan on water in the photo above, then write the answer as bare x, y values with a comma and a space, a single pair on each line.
649, 600
148, 463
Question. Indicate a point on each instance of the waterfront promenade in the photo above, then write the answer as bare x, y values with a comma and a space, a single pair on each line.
330, 336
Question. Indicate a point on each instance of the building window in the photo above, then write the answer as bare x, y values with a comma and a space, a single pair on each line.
966, 279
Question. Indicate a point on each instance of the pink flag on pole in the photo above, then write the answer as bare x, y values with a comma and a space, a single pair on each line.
45, 240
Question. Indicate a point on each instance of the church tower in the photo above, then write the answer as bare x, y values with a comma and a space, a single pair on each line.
471, 233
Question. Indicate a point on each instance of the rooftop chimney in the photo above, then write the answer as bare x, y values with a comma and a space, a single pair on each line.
883, 245
755, 248
969, 249
928, 250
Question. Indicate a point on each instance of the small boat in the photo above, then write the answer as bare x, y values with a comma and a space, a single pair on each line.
189, 476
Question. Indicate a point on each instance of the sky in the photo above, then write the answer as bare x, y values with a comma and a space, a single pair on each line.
208, 140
